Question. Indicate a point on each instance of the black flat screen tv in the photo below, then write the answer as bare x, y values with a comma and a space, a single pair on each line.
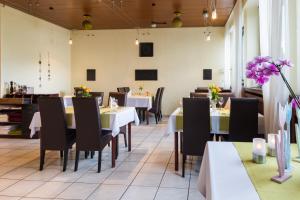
146, 74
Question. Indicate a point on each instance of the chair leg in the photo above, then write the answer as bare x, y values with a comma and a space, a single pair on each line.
66, 153
99, 161
86, 154
183, 164
92, 154
125, 140
156, 118
42, 159
61, 154
76, 160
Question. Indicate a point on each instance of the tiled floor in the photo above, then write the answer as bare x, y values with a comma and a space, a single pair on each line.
145, 173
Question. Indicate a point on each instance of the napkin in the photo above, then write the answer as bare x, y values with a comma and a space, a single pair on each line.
228, 104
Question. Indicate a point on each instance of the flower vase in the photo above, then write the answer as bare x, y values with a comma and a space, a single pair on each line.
213, 104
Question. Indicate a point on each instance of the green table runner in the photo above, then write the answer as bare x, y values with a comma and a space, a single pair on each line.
105, 114
260, 175
224, 120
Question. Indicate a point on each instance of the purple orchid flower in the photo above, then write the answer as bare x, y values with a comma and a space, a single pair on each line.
262, 59
294, 103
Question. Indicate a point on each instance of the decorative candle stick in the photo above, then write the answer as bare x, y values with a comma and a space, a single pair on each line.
287, 149
280, 148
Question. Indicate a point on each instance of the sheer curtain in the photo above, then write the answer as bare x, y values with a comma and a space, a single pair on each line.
233, 41
273, 42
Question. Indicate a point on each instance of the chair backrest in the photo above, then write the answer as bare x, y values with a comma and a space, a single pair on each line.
88, 123
97, 95
120, 89
243, 125
127, 89
226, 96
196, 125
54, 125
78, 91
162, 89
155, 100
198, 94
120, 96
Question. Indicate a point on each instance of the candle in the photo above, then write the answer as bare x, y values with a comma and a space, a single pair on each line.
271, 145
259, 150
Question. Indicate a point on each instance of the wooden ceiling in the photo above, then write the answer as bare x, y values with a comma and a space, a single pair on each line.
132, 13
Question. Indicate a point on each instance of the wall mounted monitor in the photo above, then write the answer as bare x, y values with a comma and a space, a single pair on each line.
146, 74
146, 49
207, 74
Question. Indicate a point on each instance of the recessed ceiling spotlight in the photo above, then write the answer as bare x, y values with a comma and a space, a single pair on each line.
205, 14
51, 8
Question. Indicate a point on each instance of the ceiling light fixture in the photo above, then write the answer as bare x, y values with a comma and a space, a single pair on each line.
137, 42
177, 22
214, 10
70, 41
87, 24
207, 33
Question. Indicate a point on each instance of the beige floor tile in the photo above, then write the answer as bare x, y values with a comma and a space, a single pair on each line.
94, 177
21, 188
9, 198
138, 192
19, 173
78, 191
5, 183
158, 168
195, 195
49, 190
44, 175
120, 178
172, 180
108, 192
171, 193
147, 179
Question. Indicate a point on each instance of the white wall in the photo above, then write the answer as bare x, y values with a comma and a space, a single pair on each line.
179, 55
24, 37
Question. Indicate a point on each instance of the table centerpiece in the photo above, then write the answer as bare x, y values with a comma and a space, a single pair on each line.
213, 94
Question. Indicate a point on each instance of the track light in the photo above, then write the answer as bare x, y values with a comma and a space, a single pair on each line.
137, 42
70, 41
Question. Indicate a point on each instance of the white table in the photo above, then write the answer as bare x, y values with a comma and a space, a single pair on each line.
215, 120
117, 118
140, 101
223, 175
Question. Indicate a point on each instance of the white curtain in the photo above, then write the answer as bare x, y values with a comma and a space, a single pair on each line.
274, 43
234, 48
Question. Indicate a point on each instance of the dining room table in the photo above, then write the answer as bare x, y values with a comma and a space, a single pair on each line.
140, 101
112, 118
228, 172
219, 119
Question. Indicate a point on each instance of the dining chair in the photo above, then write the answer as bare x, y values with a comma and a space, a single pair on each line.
196, 127
243, 122
54, 133
121, 89
198, 94
127, 89
155, 105
162, 89
89, 133
122, 100
97, 95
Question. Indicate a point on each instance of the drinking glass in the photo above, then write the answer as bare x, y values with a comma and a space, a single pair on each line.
221, 101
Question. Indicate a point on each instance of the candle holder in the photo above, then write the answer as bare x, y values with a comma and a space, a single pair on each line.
271, 145
259, 150
297, 128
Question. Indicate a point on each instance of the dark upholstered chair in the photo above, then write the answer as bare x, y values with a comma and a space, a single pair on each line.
123, 89
97, 95
155, 105
160, 102
196, 127
78, 91
54, 132
243, 125
89, 133
122, 100
198, 94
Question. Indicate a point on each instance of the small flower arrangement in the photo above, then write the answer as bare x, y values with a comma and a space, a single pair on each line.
85, 91
214, 92
141, 88
261, 68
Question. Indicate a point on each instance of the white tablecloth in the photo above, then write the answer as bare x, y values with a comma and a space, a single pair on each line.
139, 101
222, 174
118, 119
214, 116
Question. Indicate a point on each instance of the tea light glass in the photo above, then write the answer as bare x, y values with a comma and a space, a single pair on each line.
259, 150
271, 145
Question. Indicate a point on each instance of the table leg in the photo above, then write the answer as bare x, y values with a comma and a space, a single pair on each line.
113, 152
147, 117
129, 136
176, 150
